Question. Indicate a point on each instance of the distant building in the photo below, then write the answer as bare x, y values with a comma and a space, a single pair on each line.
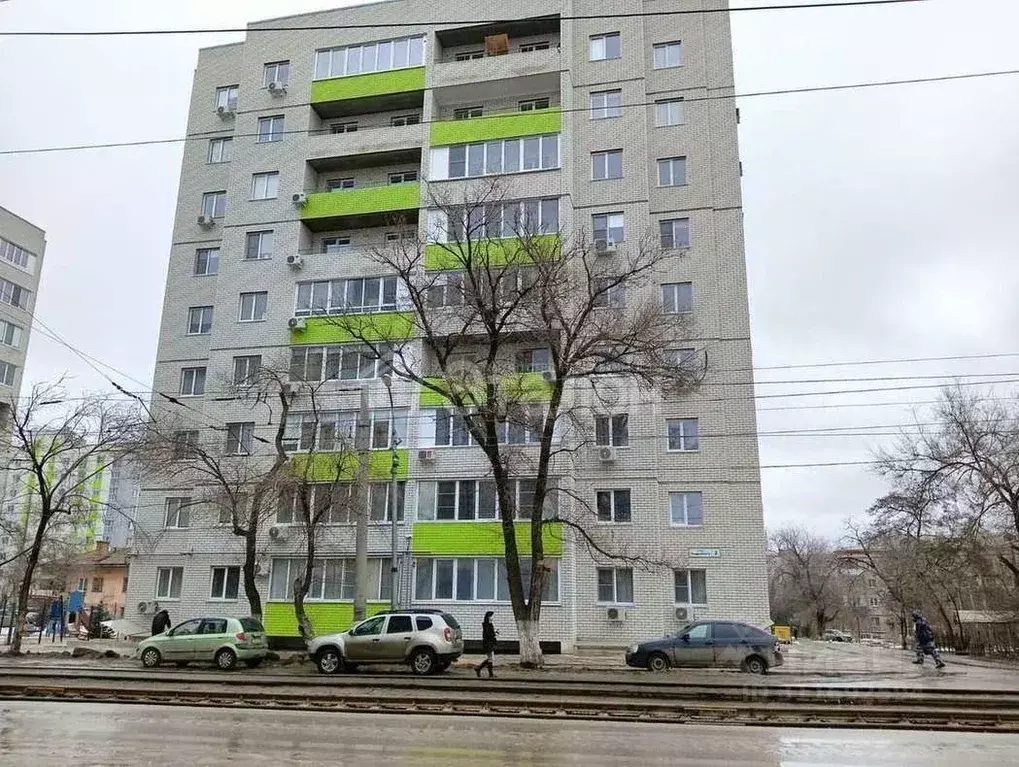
101, 575
21, 252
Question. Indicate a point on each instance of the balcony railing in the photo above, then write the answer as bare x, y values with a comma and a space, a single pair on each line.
536, 122
362, 201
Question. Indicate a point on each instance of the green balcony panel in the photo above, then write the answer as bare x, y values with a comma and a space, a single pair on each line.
280, 619
368, 85
501, 252
520, 387
342, 465
361, 202
347, 328
496, 126
480, 538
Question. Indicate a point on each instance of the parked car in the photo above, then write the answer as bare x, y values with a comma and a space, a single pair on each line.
834, 635
223, 641
426, 640
709, 644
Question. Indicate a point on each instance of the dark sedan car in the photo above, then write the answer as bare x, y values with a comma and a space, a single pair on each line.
709, 644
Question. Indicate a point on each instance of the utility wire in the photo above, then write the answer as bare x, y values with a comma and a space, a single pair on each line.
225, 133
447, 22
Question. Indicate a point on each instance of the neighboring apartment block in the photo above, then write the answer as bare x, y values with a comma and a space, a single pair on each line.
311, 143
22, 246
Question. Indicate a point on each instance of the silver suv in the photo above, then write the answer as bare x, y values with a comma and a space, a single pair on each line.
426, 640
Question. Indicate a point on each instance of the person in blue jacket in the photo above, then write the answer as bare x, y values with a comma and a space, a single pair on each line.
925, 640
56, 624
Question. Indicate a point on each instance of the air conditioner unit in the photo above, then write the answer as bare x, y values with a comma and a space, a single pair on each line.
427, 455
143, 607
277, 89
300, 199
297, 323
682, 614
277, 533
606, 454
295, 260
604, 247
548, 375
615, 614
206, 222
224, 112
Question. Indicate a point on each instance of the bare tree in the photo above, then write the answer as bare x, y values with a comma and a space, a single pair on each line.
515, 320
62, 454
807, 573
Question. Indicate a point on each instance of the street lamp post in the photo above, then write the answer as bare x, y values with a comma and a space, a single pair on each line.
394, 572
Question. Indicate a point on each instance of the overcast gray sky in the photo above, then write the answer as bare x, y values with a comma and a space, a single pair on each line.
880, 223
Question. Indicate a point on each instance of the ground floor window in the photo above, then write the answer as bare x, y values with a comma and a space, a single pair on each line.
476, 579
332, 579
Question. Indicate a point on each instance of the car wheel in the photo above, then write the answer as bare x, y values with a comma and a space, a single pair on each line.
226, 659
151, 658
423, 661
328, 660
253, 662
755, 665
658, 662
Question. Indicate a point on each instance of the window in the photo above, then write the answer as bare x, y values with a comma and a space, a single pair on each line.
469, 55
185, 443
206, 261
347, 127
338, 363
8, 372
276, 72
399, 624
677, 297
609, 293
13, 294
226, 97
675, 233
668, 55
467, 113
672, 171
97, 585
17, 255
402, 120
328, 430
338, 184
494, 157
220, 150
335, 244
258, 246
246, 369
239, 438
383, 429
683, 357
691, 587
177, 513
607, 165
334, 507
253, 306
668, 112
498, 220
542, 45
683, 434
686, 509
199, 320
605, 104
529, 105
214, 204
403, 177
11, 334
608, 228
359, 295
467, 579
82, 583
612, 430
265, 186
370, 57
404, 235
604, 47
270, 129
192, 382
615, 585
168, 580
534, 361
613, 506
475, 499
331, 580
225, 582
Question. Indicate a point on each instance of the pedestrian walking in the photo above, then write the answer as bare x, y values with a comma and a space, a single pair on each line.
56, 624
488, 635
925, 640
160, 622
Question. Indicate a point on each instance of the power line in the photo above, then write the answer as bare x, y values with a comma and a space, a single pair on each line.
202, 135
472, 22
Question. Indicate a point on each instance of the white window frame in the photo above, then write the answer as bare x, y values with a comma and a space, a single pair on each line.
601, 109
617, 573
335, 244
534, 104
667, 55
255, 299
177, 510
264, 241
468, 55
265, 185
11, 335
339, 184
688, 576
276, 125
534, 215
670, 164
402, 121
203, 313
604, 158
615, 428
240, 432
687, 435
614, 496
174, 582
227, 96
500, 589
679, 500
672, 112
328, 361
13, 294
404, 177
17, 256
192, 381
610, 296
675, 225
271, 73
222, 596
499, 157
220, 150
398, 53
210, 260
541, 45
345, 127
214, 204
335, 293
677, 297
614, 221
8, 372
249, 365
598, 47
468, 113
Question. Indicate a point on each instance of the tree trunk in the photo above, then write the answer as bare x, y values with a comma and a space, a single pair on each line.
530, 648
26, 584
250, 558
304, 626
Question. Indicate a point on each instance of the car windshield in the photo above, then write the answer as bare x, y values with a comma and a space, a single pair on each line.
250, 624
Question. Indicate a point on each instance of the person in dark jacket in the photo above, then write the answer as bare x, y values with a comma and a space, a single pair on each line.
925, 640
488, 634
160, 622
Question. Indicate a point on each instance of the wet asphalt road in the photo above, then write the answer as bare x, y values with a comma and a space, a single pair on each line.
96, 734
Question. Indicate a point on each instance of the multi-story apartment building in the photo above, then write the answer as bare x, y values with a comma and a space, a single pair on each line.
306, 143
22, 246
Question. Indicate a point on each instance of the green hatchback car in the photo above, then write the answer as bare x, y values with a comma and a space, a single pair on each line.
222, 641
